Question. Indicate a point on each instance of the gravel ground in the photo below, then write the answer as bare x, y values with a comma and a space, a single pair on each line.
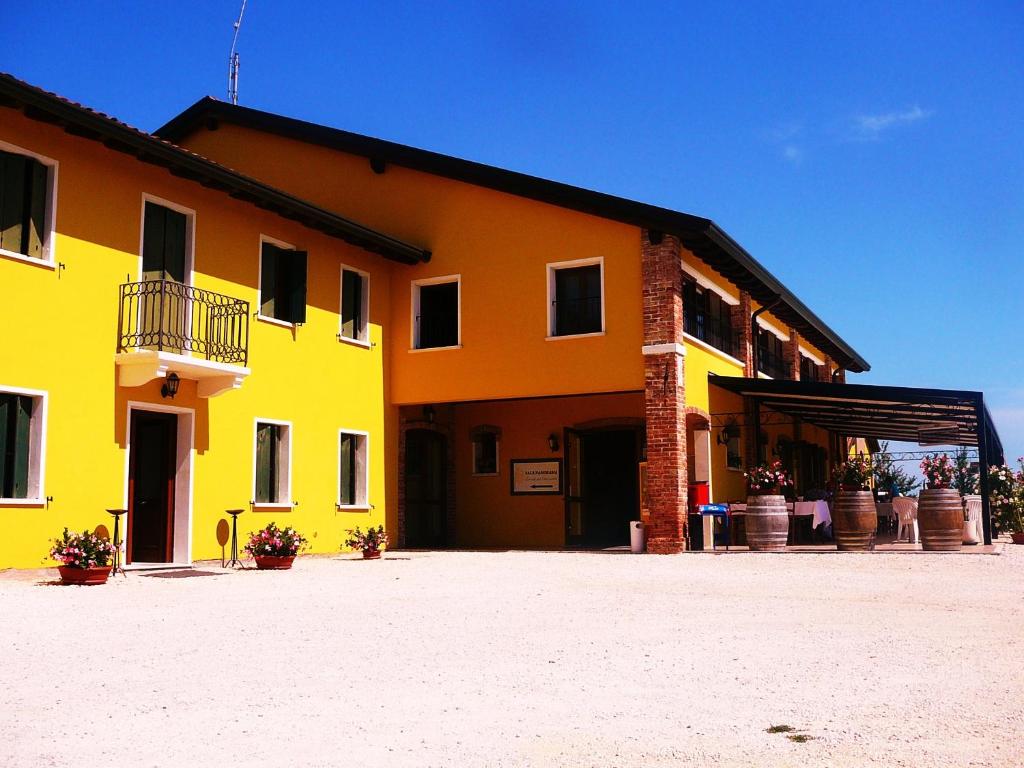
516, 659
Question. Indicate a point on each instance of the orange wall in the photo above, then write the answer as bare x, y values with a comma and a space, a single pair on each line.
487, 515
498, 243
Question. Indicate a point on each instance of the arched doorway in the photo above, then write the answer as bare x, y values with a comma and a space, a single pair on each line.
426, 483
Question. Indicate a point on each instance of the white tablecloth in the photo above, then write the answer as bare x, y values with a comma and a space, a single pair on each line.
818, 509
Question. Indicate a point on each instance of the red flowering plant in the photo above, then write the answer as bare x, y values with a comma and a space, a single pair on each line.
374, 539
272, 541
853, 474
82, 550
1006, 494
767, 478
938, 470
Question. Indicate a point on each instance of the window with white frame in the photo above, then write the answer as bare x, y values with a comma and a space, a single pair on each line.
282, 282
355, 305
22, 438
576, 297
436, 312
272, 475
485, 441
353, 469
27, 201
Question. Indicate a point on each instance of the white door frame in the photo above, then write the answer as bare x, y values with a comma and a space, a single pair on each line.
184, 462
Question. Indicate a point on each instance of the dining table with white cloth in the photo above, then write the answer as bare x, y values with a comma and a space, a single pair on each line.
817, 509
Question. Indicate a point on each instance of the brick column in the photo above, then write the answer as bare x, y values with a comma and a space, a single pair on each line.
791, 352
741, 327
664, 392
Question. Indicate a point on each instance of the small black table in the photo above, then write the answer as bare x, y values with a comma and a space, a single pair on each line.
234, 561
117, 514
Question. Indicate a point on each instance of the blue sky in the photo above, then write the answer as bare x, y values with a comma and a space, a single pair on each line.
871, 155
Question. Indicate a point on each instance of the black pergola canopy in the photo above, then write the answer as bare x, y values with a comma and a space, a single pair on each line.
907, 414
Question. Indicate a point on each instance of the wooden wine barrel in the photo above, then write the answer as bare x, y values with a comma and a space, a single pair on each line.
854, 521
940, 517
767, 523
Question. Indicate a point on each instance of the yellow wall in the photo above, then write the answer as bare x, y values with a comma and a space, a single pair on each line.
487, 515
498, 243
59, 331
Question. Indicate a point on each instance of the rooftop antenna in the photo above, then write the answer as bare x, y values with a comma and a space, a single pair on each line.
233, 60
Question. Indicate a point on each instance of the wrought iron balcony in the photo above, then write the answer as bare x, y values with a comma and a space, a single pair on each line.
167, 316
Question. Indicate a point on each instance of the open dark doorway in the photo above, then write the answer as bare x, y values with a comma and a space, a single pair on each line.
426, 479
601, 490
151, 477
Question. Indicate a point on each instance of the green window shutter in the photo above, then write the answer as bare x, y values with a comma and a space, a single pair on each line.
12, 203
268, 279
348, 469
351, 304
296, 286
174, 245
22, 437
266, 463
36, 224
153, 235
6, 445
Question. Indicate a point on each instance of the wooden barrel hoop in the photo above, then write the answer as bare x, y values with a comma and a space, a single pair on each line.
767, 523
940, 516
854, 521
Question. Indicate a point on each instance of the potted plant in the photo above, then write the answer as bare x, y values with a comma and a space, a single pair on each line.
274, 548
852, 475
767, 520
84, 558
854, 518
1006, 497
370, 543
940, 512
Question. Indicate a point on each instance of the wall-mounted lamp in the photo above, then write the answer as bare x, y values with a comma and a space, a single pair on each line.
553, 442
729, 431
428, 413
170, 387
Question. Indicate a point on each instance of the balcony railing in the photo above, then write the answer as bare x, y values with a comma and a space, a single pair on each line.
167, 316
716, 332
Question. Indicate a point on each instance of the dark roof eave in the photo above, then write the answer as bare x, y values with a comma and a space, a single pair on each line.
81, 121
700, 235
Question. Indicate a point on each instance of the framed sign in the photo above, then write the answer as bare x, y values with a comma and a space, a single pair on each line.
536, 477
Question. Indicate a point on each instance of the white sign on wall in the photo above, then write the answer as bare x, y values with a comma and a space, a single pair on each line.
536, 476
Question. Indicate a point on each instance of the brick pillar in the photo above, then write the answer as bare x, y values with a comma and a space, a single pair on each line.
664, 392
791, 352
741, 327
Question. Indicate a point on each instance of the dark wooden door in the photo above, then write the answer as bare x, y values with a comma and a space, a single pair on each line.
608, 470
426, 480
151, 476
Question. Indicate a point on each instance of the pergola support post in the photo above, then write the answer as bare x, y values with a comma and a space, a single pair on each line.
983, 464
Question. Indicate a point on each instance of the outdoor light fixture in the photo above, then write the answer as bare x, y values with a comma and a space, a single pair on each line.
553, 442
729, 431
170, 387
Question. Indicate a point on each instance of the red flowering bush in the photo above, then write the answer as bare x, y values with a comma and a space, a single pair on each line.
272, 541
766, 477
371, 541
854, 472
938, 470
82, 550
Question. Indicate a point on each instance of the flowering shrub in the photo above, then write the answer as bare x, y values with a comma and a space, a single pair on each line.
766, 477
938, 470
371, 541
854, 472
965, 474
82, 550
272, 541
1006, 495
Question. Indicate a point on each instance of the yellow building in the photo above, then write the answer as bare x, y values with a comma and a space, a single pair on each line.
361, 332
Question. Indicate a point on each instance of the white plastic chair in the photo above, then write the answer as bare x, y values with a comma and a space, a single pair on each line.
906, 513
973, 533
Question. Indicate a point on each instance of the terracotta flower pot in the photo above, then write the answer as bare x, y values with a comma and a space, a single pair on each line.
85, 576
1018, 537
274, 563
371, 554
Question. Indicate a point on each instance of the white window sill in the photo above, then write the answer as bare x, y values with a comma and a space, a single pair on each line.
354, 342
15, 256
23, 502
574, 336
435, 349
353, 507
261, 505
712, 350
275, 321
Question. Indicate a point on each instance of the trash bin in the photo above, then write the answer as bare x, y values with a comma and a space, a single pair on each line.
636, 537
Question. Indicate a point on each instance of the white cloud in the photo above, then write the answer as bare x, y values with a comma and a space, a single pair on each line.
793, 154
871, 127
